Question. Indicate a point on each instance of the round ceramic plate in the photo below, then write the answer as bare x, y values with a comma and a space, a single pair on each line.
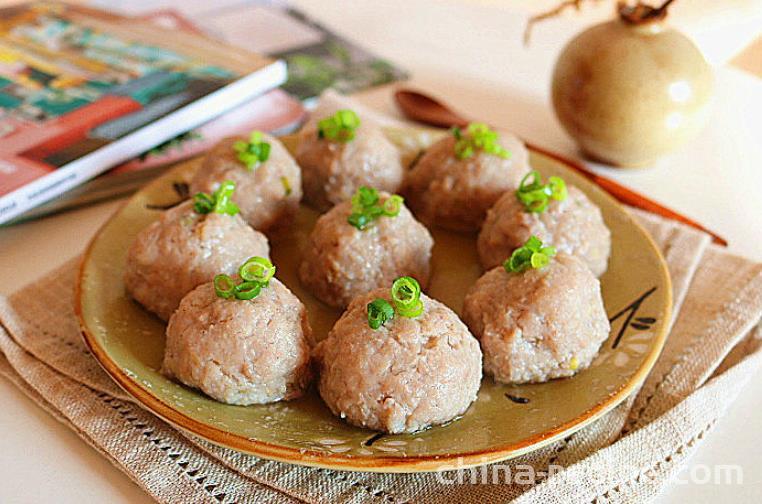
505, 421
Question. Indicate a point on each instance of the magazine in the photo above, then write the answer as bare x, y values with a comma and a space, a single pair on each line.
82, 90
317, 58
275, 112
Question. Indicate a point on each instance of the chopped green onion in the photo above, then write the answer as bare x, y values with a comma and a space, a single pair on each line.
478, 136
254, 152
203, 203
519, 260
531, 255
358, 220
406, 295
536, 196
222, 199
247, 290
558, 189
406, 302
219, 202
257, 269
364, 197
411, 311
405, 290
256, 274
393, 205
539, 260
224, 286
366, 207
286, 185
379, 312
339, 127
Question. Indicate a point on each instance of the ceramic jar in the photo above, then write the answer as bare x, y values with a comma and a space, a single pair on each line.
629, 93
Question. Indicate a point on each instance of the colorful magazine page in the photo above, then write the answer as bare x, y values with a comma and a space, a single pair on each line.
276, 112
82, 90
332, 62
317, 58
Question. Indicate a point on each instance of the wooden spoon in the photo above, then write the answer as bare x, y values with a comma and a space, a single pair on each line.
422, 108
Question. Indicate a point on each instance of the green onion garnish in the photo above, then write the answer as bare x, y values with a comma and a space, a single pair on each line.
255, 274
203, 203
379, 311
340, 127
247, 290
393, 205
406, 295
531, 255
366, 207
364, 197
478, 136
222, 201
535, 196
257, 269
286, 185
218, 202
254, 152
224, 286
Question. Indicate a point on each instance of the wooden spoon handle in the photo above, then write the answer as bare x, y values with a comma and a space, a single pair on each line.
630, 197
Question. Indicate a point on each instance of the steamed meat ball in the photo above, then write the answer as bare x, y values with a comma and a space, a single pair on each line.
240, 351
184, 249
407, 375
342, 261
539, 324
335, 166
268, 191
573, 225
455, 190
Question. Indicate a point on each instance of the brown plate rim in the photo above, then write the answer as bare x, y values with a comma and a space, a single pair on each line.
387, 464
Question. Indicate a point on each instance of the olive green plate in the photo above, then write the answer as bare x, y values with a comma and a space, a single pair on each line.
128, 342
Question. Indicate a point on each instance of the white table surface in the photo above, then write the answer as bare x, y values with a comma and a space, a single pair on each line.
471, 56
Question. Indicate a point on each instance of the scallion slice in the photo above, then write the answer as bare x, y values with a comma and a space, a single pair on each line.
224, 286
366, 207
531, 255
223, 204
203, 203
340, 127
406, 295
536, 196
218, 202
478, 136
254, 152
286, 185
393, 205
255, 274
379, 312
247, 290
257, 269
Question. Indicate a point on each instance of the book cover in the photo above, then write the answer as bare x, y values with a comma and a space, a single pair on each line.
331, 61
275, 112
317, 57
82, 90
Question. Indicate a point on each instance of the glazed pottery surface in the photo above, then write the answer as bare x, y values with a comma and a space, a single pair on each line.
631, 93
505, 421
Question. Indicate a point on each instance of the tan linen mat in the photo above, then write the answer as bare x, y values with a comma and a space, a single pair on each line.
629, 455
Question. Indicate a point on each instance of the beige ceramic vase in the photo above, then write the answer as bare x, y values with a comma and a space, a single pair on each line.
632, 89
